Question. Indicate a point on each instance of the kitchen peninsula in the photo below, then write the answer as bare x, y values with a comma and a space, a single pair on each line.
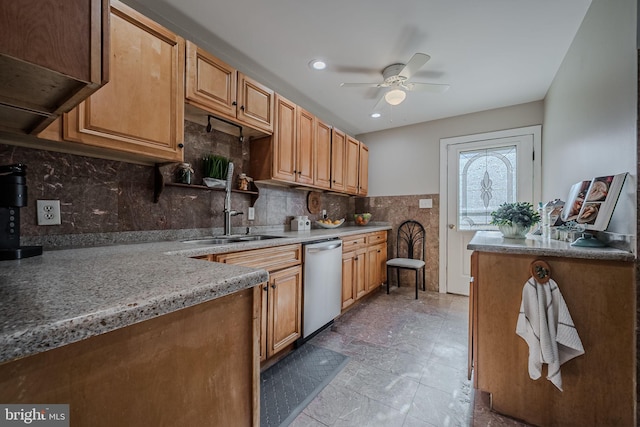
598, 286
137, 334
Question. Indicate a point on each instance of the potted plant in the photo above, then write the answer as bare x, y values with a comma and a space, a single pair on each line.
515, 219
215, 170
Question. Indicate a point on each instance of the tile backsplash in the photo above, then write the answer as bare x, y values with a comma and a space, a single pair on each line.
105, 196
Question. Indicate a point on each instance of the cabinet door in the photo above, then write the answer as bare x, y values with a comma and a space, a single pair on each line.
348, 279
363, 170
306, 147
351, 170
376, 266
141, 110
285, 303
284, 139
210, 83
264, 313
322, 175
338, 157
360, 272
255, 104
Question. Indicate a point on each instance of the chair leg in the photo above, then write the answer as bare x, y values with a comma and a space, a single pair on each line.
388, 280
417, 283
398, 276
424, 279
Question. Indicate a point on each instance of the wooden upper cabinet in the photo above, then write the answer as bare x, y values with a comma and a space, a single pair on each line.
338, 159
322, 171
351, 170
210, 82
255, 104
282, 143
306, 144
141, 110
363, 170
216, 87
54, 53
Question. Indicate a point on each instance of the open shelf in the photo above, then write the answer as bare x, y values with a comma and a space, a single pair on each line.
160, 184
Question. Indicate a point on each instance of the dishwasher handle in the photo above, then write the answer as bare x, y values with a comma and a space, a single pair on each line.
324, 248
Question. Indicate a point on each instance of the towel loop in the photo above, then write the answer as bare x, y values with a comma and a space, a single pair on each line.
540, 271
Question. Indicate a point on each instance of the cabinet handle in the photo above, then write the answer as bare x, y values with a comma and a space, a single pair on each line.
234, 103
273, 286
181, 145
242, 107
266, 288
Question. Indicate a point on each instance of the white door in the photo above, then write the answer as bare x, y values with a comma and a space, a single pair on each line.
481, 173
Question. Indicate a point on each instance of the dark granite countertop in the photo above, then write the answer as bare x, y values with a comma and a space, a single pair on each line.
492, 241
68, 295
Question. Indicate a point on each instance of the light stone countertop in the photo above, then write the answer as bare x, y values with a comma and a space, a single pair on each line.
492, 241
64, 296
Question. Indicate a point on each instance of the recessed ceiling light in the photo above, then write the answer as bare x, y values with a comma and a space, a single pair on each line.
375, 115
318, 64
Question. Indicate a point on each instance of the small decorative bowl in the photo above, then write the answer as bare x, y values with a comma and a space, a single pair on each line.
362, 219
332, 225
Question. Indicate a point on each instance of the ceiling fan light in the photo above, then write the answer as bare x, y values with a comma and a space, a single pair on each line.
395, 96
375, 115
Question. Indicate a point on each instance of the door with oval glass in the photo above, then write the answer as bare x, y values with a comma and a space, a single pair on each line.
482, 172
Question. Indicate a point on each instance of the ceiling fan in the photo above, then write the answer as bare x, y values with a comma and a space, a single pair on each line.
396, 79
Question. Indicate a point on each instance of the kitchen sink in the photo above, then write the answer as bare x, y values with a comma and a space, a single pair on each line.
225, 240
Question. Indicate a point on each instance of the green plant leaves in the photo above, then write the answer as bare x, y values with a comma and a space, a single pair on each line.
215, 166
515, 213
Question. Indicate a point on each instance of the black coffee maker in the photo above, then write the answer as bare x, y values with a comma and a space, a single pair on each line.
13, 196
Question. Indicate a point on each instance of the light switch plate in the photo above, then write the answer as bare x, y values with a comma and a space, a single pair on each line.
251, 215
425, 203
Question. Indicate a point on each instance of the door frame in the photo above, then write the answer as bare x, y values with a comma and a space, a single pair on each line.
535, 130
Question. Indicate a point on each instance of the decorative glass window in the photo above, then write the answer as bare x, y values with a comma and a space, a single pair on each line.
487, 179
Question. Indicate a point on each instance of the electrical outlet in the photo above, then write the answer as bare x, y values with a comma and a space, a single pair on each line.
48, 212
251, 214
324, 213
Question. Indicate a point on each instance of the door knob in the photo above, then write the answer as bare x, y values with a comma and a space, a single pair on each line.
452, 226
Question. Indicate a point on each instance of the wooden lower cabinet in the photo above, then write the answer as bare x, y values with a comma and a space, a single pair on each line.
376, 261
193, 367
284, 308
281, 299
600, 385
364, 258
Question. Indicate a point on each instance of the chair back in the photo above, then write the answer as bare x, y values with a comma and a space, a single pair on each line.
410, 242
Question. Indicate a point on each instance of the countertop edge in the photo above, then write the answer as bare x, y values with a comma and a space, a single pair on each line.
492, 241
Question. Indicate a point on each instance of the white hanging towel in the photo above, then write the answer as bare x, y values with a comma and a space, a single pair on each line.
545, 324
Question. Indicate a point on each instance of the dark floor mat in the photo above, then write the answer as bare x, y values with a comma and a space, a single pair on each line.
287, 387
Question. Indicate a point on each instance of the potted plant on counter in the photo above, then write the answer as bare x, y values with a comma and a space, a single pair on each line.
515, 219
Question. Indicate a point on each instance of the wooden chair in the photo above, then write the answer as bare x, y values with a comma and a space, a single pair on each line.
410, 252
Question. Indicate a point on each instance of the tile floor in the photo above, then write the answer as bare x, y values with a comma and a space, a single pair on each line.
407, 367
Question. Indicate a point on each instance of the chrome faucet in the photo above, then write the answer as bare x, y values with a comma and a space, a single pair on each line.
228, 213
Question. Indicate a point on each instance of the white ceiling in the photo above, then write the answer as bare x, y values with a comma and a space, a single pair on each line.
493, 53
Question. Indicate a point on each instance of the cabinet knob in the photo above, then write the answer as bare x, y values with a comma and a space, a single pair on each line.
181, 145
234, 103
273, 286
242, 107
266, 288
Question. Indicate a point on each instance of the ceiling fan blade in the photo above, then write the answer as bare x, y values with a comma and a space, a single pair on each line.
380, 105
426, 87
415, 63
363, 85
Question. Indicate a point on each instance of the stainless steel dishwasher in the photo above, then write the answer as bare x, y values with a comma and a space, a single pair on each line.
322, 279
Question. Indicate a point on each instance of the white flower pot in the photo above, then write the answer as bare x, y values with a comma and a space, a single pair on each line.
515, 231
